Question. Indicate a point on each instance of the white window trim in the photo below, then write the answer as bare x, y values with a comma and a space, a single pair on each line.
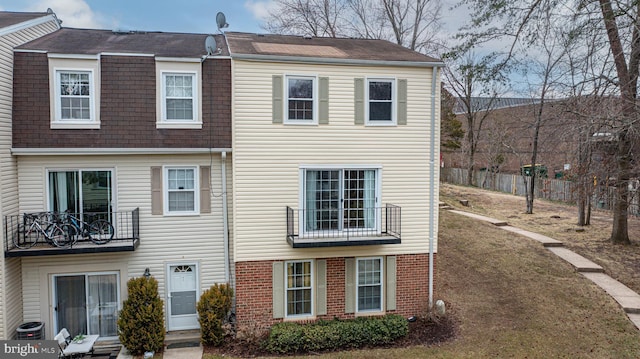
394, 101
80, 170
382, 287
196, 122
302, 200
314, 98
57, 121
196, 191
313, 291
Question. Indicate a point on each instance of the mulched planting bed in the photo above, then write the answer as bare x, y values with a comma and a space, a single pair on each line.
422, 332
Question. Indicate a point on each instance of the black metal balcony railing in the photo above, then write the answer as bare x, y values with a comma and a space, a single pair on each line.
19, 241
343, 226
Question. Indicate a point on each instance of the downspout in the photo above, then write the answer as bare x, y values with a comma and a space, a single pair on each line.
225, 218
432, 170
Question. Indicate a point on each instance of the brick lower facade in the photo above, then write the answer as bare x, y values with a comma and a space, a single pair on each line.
254, 302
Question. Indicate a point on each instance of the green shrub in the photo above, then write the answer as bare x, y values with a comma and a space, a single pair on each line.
213, 308
288, 338
141, 320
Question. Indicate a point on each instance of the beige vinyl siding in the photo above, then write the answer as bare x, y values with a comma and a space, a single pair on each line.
10, 276
164, 239
267, 157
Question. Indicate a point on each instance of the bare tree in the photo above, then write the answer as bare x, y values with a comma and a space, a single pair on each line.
521, 21
413, 24
475, 83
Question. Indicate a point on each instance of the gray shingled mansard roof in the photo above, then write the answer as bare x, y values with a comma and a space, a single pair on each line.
9, 18
93, 42
242, 45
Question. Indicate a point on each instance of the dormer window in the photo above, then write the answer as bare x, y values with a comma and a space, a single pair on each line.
178, 93
75, 95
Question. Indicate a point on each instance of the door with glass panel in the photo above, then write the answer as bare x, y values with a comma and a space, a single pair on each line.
82, 192
339, 200
183, 294
86, 303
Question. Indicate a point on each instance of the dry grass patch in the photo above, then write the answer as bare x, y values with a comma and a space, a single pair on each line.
620, 262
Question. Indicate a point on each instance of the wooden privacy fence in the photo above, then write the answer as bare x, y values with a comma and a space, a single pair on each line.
546, 188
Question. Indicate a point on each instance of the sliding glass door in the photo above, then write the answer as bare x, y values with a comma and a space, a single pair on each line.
87, 303
81, 192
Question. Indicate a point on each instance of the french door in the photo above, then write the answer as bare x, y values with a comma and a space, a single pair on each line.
337, 200
86, 303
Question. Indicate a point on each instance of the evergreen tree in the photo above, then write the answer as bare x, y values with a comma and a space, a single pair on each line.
141, 320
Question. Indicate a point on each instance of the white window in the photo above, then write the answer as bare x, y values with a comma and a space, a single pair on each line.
181, 190
75, 97
179, 98
301, 98
299, 288
381, 102
369, 277
341, 200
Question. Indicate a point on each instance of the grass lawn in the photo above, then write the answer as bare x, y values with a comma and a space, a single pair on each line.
512, 298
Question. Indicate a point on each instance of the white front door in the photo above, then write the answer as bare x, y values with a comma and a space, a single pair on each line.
182, 297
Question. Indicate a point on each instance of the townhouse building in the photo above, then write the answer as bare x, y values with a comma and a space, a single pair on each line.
16, 28
334, 183
132, 128
300, 170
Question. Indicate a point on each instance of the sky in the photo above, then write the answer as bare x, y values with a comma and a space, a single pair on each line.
190, 16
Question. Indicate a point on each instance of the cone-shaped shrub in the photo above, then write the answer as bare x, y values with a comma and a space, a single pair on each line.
141, 320
213, 307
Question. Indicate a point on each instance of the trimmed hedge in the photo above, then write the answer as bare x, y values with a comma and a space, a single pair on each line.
288, 337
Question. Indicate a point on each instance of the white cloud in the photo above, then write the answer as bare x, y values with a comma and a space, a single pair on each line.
73, 13
259, 8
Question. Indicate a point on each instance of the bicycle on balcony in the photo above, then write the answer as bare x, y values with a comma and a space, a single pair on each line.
99, 231
36, 225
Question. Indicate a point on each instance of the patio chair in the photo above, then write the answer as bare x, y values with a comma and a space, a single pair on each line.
64, 338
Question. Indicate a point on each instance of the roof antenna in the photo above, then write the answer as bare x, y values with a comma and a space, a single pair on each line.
221, 21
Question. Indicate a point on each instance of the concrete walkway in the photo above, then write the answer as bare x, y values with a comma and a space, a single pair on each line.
627, 298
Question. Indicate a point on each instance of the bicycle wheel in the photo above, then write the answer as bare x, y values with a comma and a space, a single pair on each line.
101, 231
25, 239
59, 236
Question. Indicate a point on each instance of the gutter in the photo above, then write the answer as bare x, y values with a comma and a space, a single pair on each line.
432, 175
334, 61
31, 151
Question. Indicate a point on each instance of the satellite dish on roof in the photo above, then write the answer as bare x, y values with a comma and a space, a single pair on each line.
210, 45
221, 21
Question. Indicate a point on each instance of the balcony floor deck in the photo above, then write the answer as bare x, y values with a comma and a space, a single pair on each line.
298, 242
45, 249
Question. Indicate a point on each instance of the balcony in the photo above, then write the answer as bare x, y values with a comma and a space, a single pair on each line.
74, 239
343, 227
